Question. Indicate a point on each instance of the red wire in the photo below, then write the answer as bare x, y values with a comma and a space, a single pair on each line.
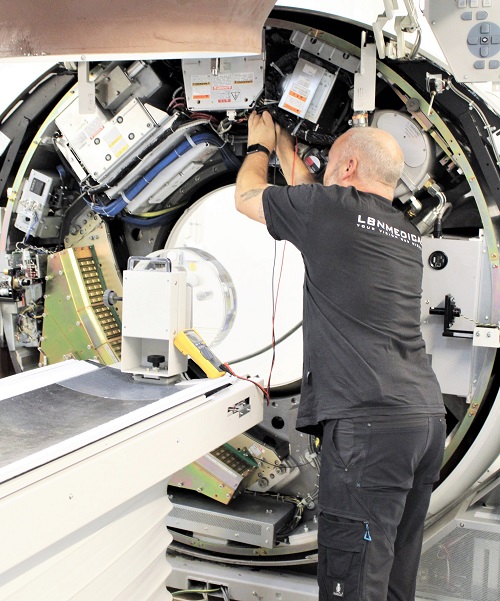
197, 115
275, 304
275, 300
266, 392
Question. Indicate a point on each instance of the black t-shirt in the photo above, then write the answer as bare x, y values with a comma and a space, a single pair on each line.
363, 350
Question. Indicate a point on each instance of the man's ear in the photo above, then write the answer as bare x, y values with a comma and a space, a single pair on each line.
349, 170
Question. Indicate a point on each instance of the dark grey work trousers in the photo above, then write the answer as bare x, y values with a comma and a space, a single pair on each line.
375, 486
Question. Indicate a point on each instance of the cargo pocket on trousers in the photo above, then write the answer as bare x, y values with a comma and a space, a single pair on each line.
341, 553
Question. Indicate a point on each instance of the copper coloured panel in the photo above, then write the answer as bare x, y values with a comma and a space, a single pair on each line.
69, 29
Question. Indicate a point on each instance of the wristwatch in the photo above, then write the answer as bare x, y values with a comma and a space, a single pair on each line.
258, 148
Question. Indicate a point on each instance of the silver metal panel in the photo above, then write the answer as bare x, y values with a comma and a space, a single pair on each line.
365, 79
40, 425
242, 583
321, 96
112, 88
464, 563
248, 519
102, 141
328, 53
223, 84
452, 358
301, 88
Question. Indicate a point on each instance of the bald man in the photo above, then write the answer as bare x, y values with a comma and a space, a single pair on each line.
368, 390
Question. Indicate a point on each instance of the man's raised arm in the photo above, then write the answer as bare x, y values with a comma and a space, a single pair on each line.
252, 176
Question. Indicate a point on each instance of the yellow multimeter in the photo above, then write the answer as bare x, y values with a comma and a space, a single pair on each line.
189, 342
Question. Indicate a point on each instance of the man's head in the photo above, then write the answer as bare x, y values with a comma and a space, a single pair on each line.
367, 158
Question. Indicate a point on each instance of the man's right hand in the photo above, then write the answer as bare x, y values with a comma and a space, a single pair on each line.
293, 168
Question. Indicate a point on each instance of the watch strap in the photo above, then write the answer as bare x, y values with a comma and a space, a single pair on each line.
258, 148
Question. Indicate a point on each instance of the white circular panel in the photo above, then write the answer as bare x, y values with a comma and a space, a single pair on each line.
417, 149
408, 135
246, 252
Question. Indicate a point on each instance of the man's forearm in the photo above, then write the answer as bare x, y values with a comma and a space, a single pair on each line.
250, 183
295, 174
293, 167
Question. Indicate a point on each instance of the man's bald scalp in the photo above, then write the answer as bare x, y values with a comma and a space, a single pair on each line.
379, 155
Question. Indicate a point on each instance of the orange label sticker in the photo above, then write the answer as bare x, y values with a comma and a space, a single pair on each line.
298, 96
291, 108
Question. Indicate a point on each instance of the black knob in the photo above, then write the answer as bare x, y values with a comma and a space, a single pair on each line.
156, 359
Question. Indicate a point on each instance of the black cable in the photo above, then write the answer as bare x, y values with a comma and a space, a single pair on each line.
269, 346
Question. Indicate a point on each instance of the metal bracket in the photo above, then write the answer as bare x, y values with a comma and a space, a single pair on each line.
241, 408
388, 14
486, 335
86, 90
365, 79
215, 66
450, 312
402, 24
